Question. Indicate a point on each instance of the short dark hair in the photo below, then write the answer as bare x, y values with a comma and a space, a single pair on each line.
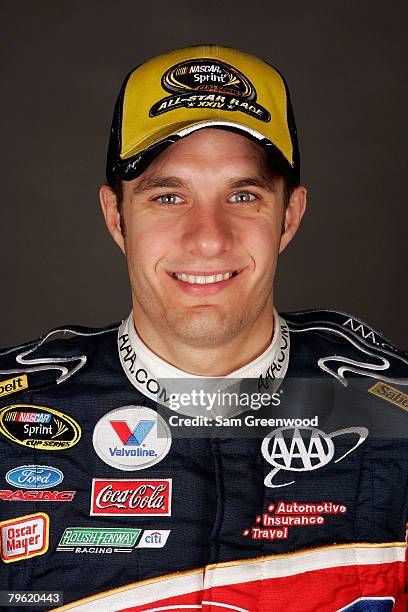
275, 170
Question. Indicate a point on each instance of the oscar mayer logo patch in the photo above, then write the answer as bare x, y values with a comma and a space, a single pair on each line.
24, 537
142, 497
208, 83
39, 427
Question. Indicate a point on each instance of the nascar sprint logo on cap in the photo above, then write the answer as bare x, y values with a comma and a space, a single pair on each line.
208, 83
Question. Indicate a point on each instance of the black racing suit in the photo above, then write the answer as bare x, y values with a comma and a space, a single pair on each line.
303, 509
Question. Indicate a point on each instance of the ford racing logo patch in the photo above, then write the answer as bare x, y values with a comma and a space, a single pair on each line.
34, 477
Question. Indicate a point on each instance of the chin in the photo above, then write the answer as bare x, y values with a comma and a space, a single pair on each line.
205, 328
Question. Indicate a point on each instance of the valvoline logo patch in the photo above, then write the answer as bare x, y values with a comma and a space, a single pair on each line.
135, 437
131, 438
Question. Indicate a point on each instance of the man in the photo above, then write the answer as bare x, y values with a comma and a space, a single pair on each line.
207, 453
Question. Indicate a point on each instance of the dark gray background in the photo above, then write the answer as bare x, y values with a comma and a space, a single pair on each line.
63, 63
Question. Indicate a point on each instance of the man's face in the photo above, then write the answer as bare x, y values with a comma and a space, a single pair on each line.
203, 232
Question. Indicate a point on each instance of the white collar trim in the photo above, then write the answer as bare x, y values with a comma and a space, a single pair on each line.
157, 378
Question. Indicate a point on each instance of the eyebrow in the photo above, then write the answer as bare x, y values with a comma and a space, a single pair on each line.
159, 181
254, 181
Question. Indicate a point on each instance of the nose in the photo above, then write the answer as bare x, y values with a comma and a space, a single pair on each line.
208, 232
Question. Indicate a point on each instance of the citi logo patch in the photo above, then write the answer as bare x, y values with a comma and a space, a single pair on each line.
131, 438
153, 538
390, 394
24, 537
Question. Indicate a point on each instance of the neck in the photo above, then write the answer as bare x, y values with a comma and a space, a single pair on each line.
219, 360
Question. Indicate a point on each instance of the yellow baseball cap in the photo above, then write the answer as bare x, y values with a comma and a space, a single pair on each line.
174, 94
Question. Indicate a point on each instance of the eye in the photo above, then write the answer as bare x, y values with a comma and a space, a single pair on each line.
242, 197
169, 199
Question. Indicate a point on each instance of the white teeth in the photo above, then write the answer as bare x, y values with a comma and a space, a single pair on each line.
203, 280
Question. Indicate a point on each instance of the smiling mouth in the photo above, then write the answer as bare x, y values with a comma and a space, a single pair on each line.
204, 279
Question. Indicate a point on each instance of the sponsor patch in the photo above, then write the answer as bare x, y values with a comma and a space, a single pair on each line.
12, 385
103, 540
153, 538
39, 427
34, 477
42, 496
390, 394
208, 83
142, 497
303, 449
131, 438
24, 537
281, 517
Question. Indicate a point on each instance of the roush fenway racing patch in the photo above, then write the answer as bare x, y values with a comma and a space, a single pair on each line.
129, 497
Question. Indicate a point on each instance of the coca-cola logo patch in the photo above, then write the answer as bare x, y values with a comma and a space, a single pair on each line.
141, 497
208, 83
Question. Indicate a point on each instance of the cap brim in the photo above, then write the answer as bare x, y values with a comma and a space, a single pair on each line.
142, 155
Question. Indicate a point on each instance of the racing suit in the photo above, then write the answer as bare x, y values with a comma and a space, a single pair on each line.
128, 485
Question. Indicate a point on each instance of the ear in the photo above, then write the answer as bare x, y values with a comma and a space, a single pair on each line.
111, 214
293, 216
